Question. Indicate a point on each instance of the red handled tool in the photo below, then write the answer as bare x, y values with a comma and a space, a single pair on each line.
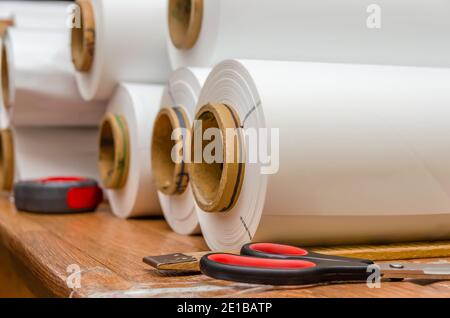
58, 195
277, 264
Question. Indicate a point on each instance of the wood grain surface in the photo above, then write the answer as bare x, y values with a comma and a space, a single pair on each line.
108, 253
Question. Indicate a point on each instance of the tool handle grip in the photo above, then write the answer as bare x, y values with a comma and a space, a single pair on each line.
58, 195
267, 271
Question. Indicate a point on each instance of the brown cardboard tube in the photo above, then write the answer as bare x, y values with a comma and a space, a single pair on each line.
5, 76
83, 38
4, 24
185, 22
6, 160
170, 174
114, 154
216, 186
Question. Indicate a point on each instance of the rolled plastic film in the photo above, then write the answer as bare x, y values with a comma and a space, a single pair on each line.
177, 110
38, 81
42, 152
119, 41
352, 169
124, 150
45, 15
401, 32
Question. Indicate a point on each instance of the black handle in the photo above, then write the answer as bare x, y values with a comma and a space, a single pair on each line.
255, 270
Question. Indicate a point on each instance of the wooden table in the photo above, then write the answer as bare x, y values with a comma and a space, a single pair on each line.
37, 251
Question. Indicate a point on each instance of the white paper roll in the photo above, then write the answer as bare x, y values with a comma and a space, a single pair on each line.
37, 15
48, 152
39, 79
364, 153
181, 93
138, 105
403, 32
129, 45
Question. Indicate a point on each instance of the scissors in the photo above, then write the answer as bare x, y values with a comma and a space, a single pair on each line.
277, 264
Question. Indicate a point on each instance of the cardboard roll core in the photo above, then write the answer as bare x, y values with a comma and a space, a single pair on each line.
114, 155
185, 22
83, 37
217, 185
169, 165
4, 24
5, 76
6, 160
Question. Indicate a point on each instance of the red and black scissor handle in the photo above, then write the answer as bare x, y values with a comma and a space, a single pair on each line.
277, 264
58, 195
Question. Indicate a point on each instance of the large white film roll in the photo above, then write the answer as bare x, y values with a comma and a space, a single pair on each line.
364, 153
120, 41
125, 137
37, 15
179, 100
403, 32
49, 152
38, 81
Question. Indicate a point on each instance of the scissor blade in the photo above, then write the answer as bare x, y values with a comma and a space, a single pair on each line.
415, 271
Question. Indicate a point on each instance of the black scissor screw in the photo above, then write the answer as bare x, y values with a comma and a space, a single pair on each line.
396, 266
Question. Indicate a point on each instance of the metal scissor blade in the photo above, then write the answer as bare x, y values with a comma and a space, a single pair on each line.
415, 271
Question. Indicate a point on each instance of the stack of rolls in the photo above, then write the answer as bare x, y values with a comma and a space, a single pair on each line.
47, 128
361, 152
317, 115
